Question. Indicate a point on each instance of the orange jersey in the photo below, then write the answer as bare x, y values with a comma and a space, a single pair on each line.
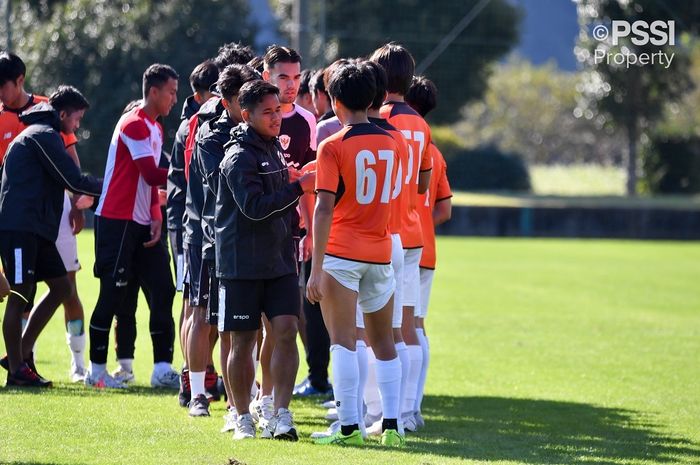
439, 190
310, 166
399, 203
11, 126
359, 164
417, 134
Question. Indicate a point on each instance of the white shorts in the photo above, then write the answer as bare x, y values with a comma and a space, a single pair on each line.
65, 242
411, 278
426, 283
373, 283
397, 264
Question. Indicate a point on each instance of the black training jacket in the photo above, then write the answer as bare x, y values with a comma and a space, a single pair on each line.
194, 200
254, 209
211, 139
177, 184
37, 171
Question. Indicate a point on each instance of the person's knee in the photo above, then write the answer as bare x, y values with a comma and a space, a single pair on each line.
60, 288
285, 329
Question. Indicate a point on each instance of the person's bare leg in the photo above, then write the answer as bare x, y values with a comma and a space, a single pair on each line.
284, 362
240, 368
225, 351
12, 325
59, 289
198, 350
268, 347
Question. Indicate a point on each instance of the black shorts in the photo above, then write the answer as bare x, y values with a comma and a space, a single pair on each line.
178, 255
243, 301
198, 275
28, 258
213, 306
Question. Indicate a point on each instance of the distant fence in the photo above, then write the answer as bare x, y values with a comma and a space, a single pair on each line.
574, 222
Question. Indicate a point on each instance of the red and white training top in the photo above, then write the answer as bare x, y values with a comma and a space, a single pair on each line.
125, 193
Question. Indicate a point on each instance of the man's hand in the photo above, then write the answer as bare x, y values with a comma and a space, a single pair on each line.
155, 233
307, 247
308, 182
294, 174
83, 202
77, 220
4, 287
162, 197
313, 287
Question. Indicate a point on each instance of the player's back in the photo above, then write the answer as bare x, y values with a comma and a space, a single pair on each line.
359, 164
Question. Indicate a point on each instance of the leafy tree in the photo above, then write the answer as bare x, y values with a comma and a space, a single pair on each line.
633, 98
102, 47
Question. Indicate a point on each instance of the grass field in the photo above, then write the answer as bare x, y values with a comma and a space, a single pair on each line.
543, 352
578, 179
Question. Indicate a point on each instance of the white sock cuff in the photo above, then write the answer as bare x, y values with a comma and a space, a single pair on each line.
420, 332
360, 343
341, 349
387, 370
401, 345
415, 352
197, 383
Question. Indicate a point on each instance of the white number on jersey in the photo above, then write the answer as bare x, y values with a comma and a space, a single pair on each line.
366, 176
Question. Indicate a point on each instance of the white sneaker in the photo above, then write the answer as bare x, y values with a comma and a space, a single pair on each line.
103, 381
419, 419
375, 429
245, 427
409, 423
262, 410
332, 414
77, 374
332, 429
328, 404
123, 376
169, 379
230, 420
371, 419
284, 426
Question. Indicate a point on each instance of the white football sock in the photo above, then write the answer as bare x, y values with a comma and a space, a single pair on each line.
371, 394
389, 381
97, 369
346, 374
402, 352
425, 347
416, 360
197, 383
126, 364
77, 349
361, 349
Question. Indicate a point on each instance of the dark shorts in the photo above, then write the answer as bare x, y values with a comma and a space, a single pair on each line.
28, 258
198, 275
243, 301
178, 255
213, 306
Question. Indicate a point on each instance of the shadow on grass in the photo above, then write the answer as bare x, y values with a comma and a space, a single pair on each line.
544, 432
79, 390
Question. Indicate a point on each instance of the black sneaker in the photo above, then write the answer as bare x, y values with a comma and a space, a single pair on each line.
199, 406
5, 363
185, 395
26, 377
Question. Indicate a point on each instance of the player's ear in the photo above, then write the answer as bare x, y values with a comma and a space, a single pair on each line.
245, 114
266, 75
226, 104
20, 81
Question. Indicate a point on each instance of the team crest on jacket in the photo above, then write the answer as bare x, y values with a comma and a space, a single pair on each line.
284, 141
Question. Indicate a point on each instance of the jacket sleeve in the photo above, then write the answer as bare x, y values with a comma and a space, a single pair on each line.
177, 185
54, 158
209, 158
247, 187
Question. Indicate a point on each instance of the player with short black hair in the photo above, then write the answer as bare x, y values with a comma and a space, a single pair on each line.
434, 208
128, 224
399, 66
357, 169
304, 98
255, 259
233, 53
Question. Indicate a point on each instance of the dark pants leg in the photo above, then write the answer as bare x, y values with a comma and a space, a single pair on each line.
125, 323
317, 341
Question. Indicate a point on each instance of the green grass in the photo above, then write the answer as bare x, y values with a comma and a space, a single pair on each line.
543, 352
578, 179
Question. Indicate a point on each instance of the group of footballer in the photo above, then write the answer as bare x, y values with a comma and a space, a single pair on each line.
295, 203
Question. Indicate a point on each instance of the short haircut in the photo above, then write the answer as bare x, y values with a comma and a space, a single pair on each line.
304, 81
316, 82
380, 80
232, 79
131, 105
233, 53
398, 64
326, 77
68, 99
422, 95
257, 63
353, 85
203, 76
11, 67
157, 75
279, 54
253, 92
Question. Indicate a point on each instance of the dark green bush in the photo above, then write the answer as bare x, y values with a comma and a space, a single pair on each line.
672, 164
487, 169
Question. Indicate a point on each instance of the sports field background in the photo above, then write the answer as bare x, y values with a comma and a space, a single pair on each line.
543, 352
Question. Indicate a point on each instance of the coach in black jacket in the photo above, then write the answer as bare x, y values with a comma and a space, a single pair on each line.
255, 257
37, 171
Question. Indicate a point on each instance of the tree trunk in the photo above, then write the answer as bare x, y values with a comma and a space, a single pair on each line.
632, 136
